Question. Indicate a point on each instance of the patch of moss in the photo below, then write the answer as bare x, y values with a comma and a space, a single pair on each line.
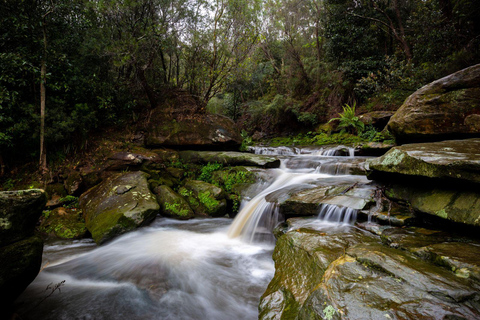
176, 209
208, 201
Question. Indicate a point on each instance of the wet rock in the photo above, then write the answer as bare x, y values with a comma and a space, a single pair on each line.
172, 204
306, 200
64, 223
460, 206
205, 198
334, 272
301, 257
127, 161
20, 250
373, 148
378, 119
230, 158
201, 131
443, 109
19, 212
454, 159
19, 265
119, 204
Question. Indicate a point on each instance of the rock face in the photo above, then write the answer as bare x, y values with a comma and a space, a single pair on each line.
460, 206
378, 119
203, 131
455, 159
119, 204
325, 272
20, 250
444, 109
230, 158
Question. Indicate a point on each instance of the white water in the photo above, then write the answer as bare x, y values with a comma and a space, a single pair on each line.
171, 270
196, 269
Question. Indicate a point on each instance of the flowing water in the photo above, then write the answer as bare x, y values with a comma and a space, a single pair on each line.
196, 269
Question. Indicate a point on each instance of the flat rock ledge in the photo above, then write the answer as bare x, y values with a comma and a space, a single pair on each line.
454, 160
230, 158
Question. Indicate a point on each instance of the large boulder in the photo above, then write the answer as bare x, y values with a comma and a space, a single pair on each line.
19, 213
119, 204
453, 159
205, 131
325, 272
444, 109
20, 250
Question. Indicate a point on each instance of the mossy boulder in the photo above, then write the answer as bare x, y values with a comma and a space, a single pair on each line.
204, 198
172, 204
325, 272
199, 131
231, 158
19, 213
19, 265
64, 223
460, 206
20, 250
444, 109
121, 203
453, 159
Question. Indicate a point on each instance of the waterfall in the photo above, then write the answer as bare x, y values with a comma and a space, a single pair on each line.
333, 213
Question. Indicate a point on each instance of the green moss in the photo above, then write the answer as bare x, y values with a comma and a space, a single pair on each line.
208, 201
176, 209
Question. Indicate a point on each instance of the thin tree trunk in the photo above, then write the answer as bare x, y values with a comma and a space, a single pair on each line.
43, 79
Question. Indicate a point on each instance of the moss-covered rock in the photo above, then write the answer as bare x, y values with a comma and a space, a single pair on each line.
453, 159
172, 204
19, 264
19, 213
119, 204
64, 223
442, 109
230, 158
200, 131
345, 273
205, 198
455, 205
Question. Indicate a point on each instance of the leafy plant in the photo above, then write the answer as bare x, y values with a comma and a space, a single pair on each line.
69, 201
206, 171
349, 122
246, 140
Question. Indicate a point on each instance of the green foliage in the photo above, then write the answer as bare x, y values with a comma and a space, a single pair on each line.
208, 201
349, 121
69, 201
175, 208
233, 178
207, 170
246, 141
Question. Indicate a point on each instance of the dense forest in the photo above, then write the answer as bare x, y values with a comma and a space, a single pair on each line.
68, 68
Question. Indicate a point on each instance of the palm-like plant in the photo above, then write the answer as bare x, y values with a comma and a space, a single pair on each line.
349, 122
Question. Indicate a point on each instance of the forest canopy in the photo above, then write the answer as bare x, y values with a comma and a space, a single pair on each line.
264, 63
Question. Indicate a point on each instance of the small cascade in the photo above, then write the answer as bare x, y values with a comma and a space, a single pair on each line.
333, 213
259, 215
277, 151
337, 151
334, 168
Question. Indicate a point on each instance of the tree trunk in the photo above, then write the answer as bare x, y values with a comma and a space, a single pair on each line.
43, 79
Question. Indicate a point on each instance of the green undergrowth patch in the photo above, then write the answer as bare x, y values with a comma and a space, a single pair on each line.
320, 139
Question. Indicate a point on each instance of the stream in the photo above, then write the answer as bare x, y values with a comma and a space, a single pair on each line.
195, 269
